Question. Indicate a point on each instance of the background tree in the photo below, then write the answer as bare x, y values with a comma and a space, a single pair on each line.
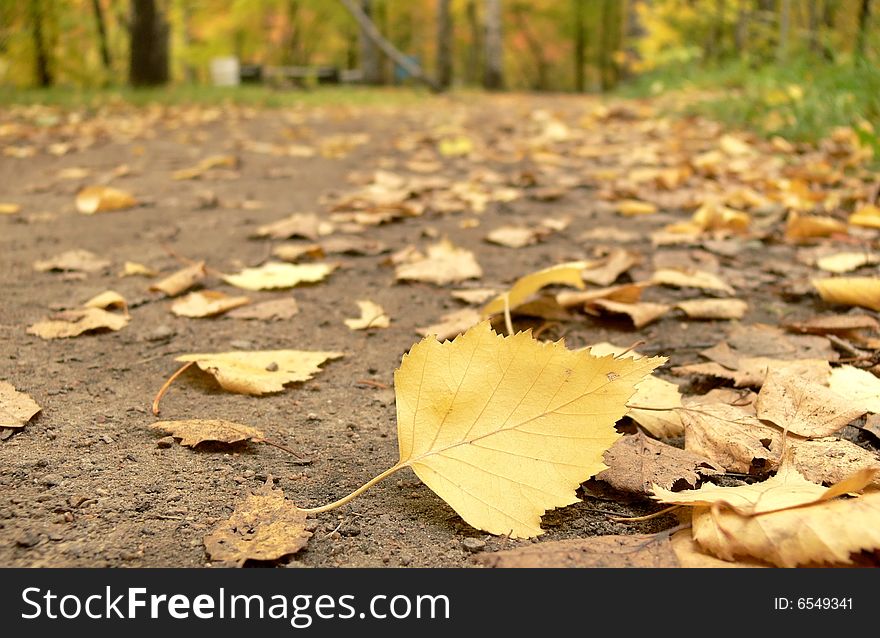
371, 58
445, 38
493, 70
36, 15
101, 26
148, 65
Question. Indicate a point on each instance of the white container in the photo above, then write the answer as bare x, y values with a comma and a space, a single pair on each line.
225, 71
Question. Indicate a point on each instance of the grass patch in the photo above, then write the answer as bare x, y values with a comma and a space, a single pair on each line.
802, 101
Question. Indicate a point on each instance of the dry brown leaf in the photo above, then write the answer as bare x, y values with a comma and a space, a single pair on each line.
134, 269
623, 293
730, 436
803, 407
72, 323
16, 408
103, 199
275, 275
713, 215
636, 462
353, 246
690, 555
840, 263
262, 371
191, 432
834, 324
805, 227
294, 252
610, 268
850, 291
631, 550
562, 274
642, 313
634, 208
72, 260
264, 527
714, 308
181, 280
307, 225
690, 279
206, 303
272, 310
452, 324
474, 296
372, 317
752, 371
868, 216
859, 387
830, 460
443, 265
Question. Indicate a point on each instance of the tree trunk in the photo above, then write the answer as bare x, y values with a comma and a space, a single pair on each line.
813, 26
444, 43
534, 46
580, 45
862, 34
41, 55
369, 30
149, 45
784, 28
493, 72
371, 62
472, 73
101, 24
717, 46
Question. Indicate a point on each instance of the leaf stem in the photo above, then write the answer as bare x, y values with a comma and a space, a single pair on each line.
508, 322
345, 499
167, 385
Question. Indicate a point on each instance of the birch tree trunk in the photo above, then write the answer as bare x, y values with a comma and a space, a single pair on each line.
493, 71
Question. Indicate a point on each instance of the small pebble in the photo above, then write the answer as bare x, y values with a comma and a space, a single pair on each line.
161, 333
165, 442
473, 544
27, 539
50, 480
311, 416
272, 367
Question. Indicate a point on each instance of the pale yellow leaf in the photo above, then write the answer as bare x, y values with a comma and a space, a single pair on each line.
275, 275
294, 252
868, 215
714, 308
16, 408
606, 271
452, 324
690, 555
859, 387
72, 260
455, 146
107, 299
100, 199
634, 207
850, 291
840, 263
307, 225
181, 280
443, 265
72, 323
372, 316
690, 279
623, 293
9, 209
804, 227
713, 215
191, 432
214, 161
515, 236
505, 428
134, 269
568, 274
803, 407
261, 371
206, 303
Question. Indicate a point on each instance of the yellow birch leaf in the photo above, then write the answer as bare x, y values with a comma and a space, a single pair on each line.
206, 303
444, 264
714, 308
840, 263
568, 274
275, 275
635, 207
101, 199
16, 408
859, 387
72, 323
107, 299
690, 279
868, 215
850, 291
623, 293
261, 371
800, 227
372, 316
713, 215
134, 269
505, 428
181, 280
191, 432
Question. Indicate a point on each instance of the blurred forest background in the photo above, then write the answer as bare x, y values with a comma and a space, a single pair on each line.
790, 66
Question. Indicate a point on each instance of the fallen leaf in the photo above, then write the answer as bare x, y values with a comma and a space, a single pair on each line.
272, 310
568, 274
516, 236
16, 408
107, 299
214, 161
353, 246
834, 324
610, 268
868, 215
804, 227
634, 207
73, 260
637, 462
134, 269
752, 371
474, 296
729, 436
714, 308
102, 199
294, 252
452, 324
206, 303
714, 215
181, 280
659, 401
850, 291
275, 275
631, 550
829, 460
443, 265
455, 146
690, 279
262, 371
859, 387
263, 527
307, 225
840, 263
72, 323
477, 427
623, 293
642, 313
690, 555
803, 407
192, 432
372, 316
9, 209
